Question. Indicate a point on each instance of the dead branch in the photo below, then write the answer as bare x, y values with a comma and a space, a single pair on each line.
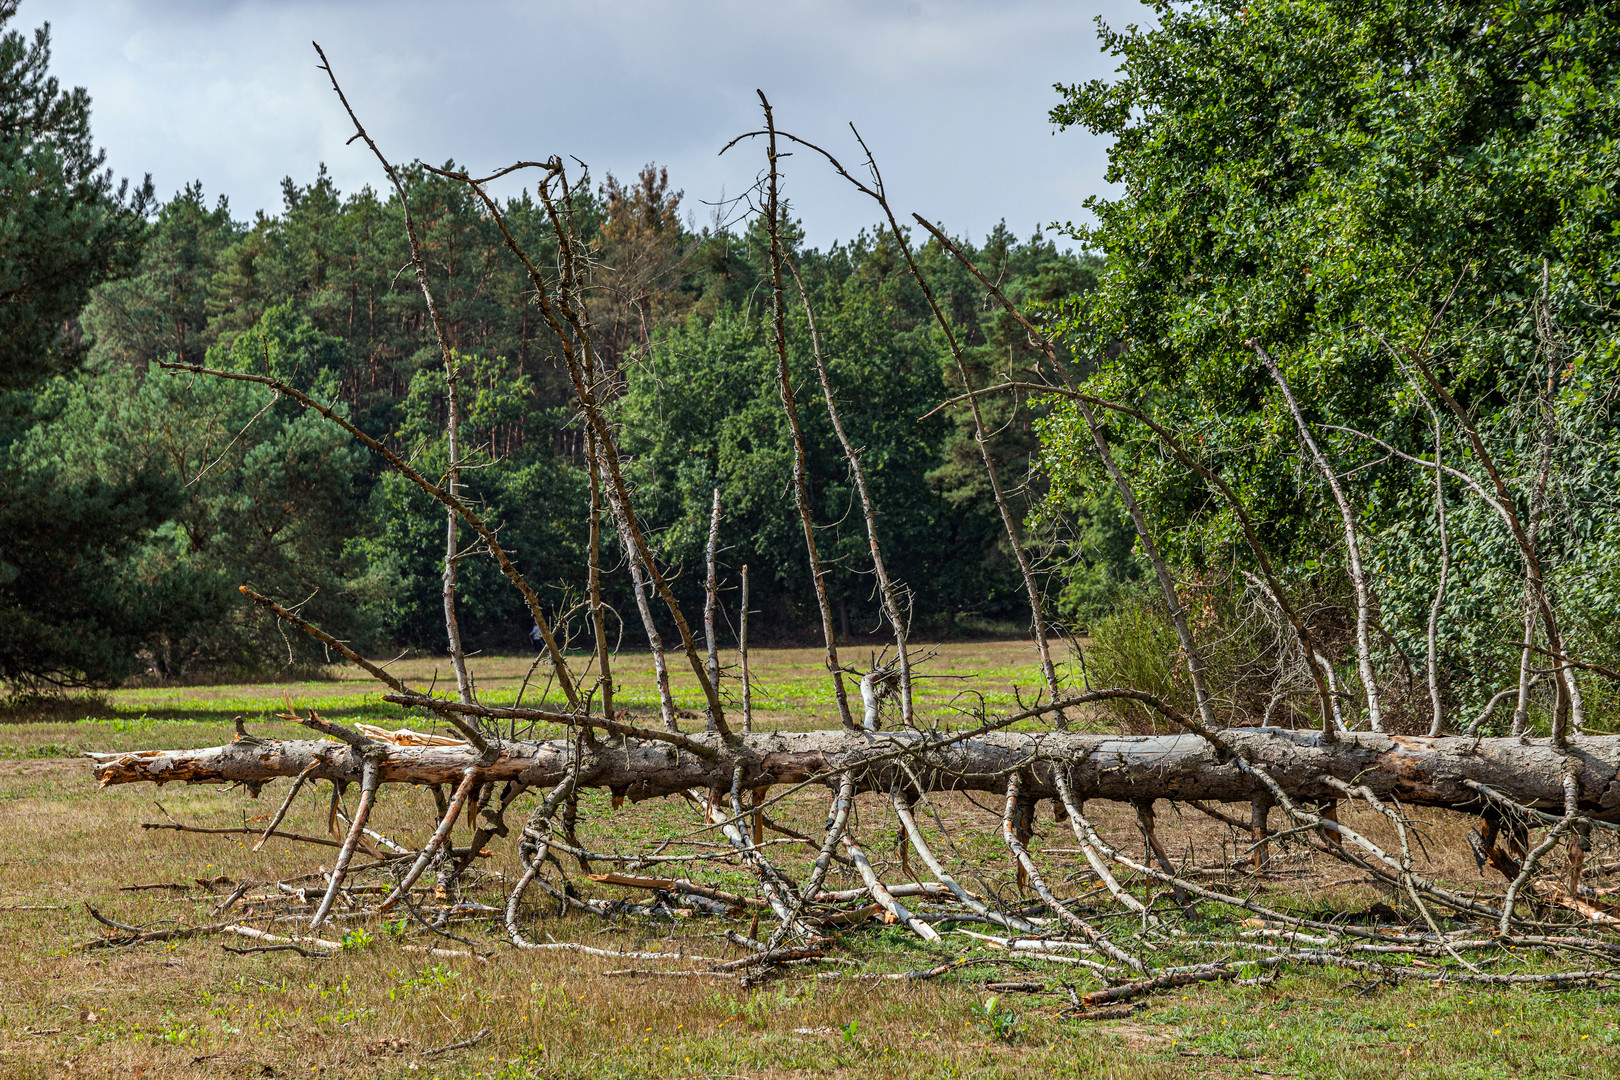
801, 486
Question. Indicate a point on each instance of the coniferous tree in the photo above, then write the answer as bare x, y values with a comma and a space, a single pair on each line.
68, 611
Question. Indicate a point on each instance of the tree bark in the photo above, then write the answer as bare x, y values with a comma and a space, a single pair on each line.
1417, 771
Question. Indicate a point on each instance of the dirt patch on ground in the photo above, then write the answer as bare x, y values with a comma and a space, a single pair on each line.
65, 768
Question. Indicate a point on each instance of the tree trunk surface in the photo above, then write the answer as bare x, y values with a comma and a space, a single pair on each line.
1414, 770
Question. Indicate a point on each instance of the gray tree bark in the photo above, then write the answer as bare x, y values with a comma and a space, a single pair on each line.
1417, 771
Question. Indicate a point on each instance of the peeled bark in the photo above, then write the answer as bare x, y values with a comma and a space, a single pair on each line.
1416, 771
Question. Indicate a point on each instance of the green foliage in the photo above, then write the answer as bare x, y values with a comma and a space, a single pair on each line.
1002, 1025
268, 495
704, 411
541, 506
1251, 668
357, 938
68, 615
162, 309
1341, 185
1134, 645
163, 493
63, 227
1093, 541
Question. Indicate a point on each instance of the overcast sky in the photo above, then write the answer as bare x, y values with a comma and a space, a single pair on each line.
952, 95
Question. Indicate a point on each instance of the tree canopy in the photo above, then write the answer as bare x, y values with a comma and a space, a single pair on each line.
1350, 187
68, 613
223, 484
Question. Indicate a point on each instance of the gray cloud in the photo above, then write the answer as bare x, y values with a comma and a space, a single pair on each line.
952, 95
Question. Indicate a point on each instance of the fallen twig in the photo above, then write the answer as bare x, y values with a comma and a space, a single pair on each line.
287, 947
1118, 1012
483, 1034
260, 935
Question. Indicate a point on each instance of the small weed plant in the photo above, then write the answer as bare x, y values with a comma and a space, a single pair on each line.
1002, 1025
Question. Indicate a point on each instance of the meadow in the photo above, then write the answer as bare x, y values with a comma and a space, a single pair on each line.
387, 1005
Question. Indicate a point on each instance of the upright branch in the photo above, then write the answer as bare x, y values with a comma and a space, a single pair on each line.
598, 609
564, 312
711, 590
1535, 579
1279, 596
1527, 673
1191, 656
1190, 653
981, 433
447, 354
1537, 601
1358, 578
1546, 331
452, 521
1534, 513
570, 305
1314, 661
742, 650
450, 498
638, 585
887, 589
801, 480
1432, 652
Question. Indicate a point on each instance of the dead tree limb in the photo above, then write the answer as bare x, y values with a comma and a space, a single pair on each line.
594, 573
441, 334
1352, 541
1312, 656
563, 312
1566, 785
457, 801
1191, 655
1015, 844
742, 651
876, 192
967, 899
888, 592
790, 406
370, 778
711, 593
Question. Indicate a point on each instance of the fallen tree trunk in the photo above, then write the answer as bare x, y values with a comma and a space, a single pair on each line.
1560, 787
1415, 771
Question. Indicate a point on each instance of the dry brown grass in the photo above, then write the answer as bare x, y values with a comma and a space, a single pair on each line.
190, 1009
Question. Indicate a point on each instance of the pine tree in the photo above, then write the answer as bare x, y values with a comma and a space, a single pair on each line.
67, 614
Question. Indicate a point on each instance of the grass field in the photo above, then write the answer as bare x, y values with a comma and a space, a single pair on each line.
376, 1009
